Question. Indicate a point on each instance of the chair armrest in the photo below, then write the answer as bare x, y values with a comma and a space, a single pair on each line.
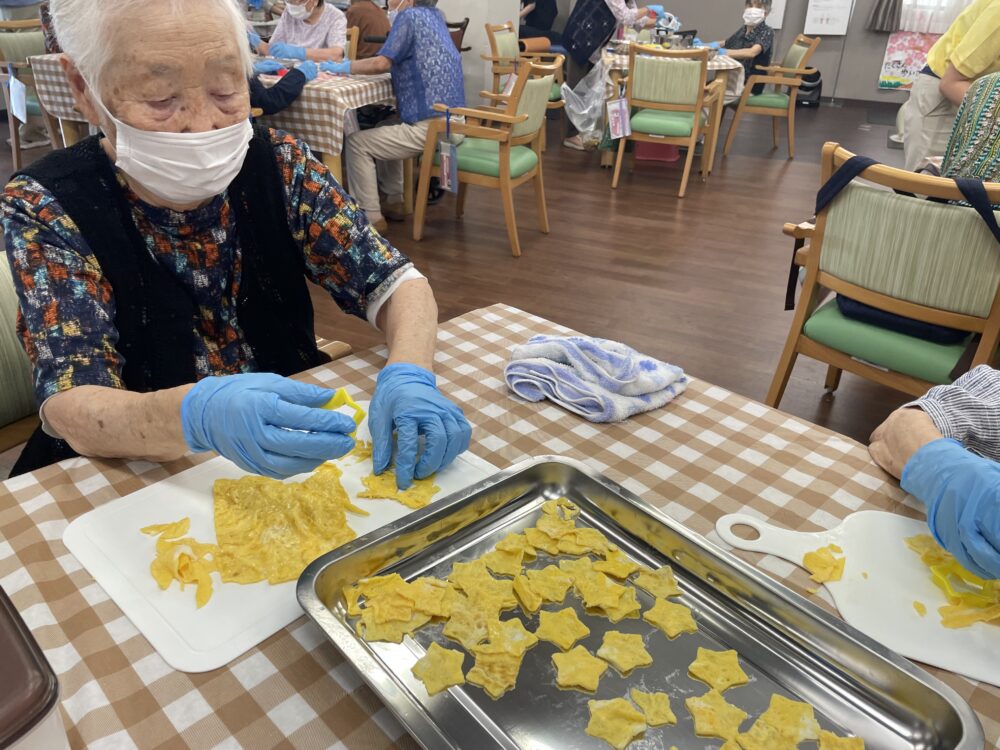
550, 56
481, 114
494, 96
777, 80
772, 69
714, 90
491, 58
801, 231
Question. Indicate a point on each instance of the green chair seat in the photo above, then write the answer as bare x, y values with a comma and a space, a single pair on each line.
771, 100
555, 95
661, 122
882, 347
482, 156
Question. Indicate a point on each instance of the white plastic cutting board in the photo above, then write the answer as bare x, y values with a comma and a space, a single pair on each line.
881, 605
107, 542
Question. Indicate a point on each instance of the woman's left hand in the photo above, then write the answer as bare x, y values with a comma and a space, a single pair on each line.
407, 400
286, 51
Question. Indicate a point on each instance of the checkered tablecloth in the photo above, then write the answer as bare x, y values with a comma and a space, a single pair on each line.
709, 453
317, 116
53, 88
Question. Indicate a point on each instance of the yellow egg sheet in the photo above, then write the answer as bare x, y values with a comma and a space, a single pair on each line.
615, 721
719, 670
439, 669
578, 669
383, 487
654, 706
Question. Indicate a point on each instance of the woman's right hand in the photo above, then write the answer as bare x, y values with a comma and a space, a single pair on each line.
265, 424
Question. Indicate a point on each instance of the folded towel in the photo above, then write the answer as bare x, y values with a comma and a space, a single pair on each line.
602, 381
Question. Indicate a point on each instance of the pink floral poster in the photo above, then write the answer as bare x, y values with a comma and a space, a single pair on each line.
905, 57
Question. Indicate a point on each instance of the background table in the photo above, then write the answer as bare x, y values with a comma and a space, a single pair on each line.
709, 453
317, 116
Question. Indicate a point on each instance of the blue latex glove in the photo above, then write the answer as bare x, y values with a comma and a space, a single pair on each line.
407, 399
962, 493
265, 423
286, 51
255, 5
723, 51
696, 42
309, 69
657, 9
340, 67
716, 45
254, 38
267, 66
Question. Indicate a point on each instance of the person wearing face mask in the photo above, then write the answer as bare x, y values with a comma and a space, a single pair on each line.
308, 30
752, 43
162, 267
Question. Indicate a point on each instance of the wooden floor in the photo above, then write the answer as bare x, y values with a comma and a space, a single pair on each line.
698, 282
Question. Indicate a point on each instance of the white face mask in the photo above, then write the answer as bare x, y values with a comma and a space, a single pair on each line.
753, 16
181, 168
298, 12
392, 16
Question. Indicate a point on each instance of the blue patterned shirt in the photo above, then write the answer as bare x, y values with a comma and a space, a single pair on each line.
426, 66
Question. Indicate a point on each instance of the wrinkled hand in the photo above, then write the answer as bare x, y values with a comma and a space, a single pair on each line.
894, 442
407, 399
254, 38
287, 51
265, 424
338, 67
267, 67
309, 69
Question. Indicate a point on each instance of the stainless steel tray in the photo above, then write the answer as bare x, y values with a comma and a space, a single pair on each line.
787, 644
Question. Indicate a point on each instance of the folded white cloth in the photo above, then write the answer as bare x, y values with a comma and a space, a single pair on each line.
601, 380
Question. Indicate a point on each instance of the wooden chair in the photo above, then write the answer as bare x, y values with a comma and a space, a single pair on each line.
18, 410
777, 104
667, 94
353, 36
20, 40
505, 55
929, 261
457, 30
501, 150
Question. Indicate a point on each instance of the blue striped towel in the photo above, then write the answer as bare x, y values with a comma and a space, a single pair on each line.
601, 380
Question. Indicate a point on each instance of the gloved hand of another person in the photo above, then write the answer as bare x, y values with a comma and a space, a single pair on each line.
723, 51
657, 9
265, 424
267, 67
256, 4
340, 67
309, 69
407, 400
717, 46
286, 51
254, 38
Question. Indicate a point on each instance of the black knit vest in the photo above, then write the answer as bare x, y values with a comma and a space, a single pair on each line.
154, 313
590, 26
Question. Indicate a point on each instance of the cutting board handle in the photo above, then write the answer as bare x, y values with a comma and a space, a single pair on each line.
789, 545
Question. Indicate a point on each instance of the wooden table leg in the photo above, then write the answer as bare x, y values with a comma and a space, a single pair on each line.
408, 186
334, 163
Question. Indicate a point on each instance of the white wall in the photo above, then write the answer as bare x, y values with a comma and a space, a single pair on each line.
479, 13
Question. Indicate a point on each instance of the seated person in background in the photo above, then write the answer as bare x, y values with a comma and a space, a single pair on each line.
944, 448
970, 48
426, 70
272, 99
308, 30
974, 146
752, 43
162, 269
372, 21
537, 18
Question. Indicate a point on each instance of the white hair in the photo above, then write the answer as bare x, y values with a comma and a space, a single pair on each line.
82, 30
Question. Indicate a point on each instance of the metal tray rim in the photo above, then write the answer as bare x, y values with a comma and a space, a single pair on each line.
425, 731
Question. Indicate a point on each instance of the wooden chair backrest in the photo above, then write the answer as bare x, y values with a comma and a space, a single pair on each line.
932, 261
26, 25
457, 30
672, 80
530, 96
800, 52
353, 37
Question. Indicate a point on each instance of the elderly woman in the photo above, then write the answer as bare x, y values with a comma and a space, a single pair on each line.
308, 30
161, 268
751, 44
